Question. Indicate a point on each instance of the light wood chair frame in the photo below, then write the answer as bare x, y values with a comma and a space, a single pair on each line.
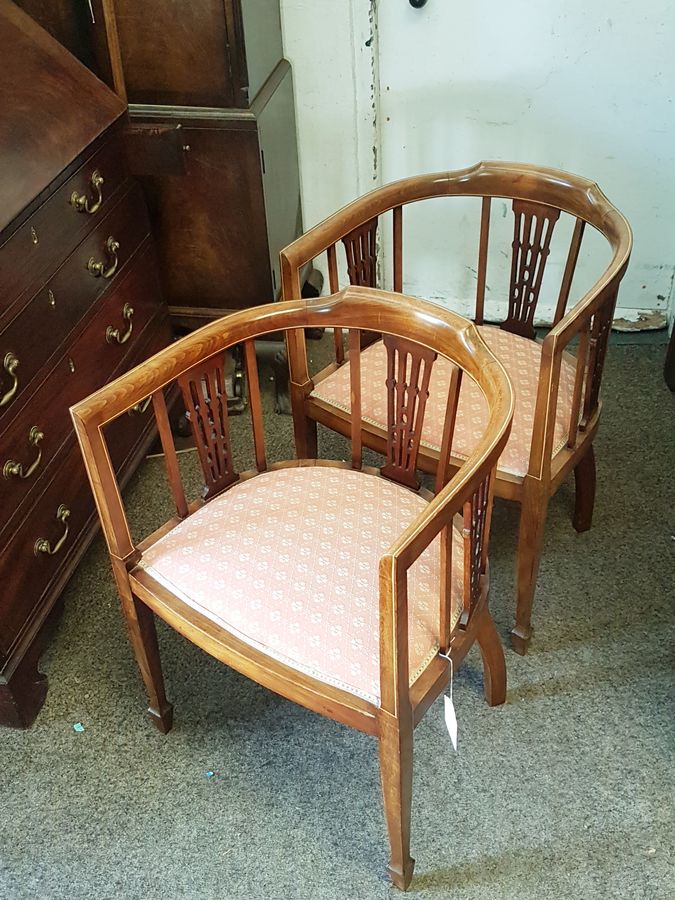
467, 495
538, 194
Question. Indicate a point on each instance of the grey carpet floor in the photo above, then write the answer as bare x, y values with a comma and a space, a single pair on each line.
566, 791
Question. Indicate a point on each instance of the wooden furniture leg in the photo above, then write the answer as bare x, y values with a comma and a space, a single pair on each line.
533, 510
23, 693
396, 744
143, 635
494, 664
584, 480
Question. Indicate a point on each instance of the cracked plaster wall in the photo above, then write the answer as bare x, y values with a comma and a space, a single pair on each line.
384, 90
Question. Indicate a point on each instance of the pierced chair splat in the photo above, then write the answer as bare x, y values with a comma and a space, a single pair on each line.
556, 383
340, 587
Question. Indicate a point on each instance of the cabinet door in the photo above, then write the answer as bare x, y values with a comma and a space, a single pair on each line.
175, 53
209, 222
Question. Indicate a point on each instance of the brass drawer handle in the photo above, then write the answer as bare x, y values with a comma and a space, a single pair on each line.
141, 407
12, 468
113, 336
82, 203
98, 268
10, 365
42, 545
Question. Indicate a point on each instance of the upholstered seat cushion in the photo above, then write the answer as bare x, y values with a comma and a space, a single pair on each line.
288, 562
520, 357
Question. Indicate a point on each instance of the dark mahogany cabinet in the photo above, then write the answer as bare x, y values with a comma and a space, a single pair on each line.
80, 302
212, 138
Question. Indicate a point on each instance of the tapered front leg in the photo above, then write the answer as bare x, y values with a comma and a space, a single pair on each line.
534, 505
584, 481
143, 636
396, 743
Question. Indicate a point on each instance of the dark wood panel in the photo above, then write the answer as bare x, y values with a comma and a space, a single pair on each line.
176, 52
58, 108
68, 21
210, 223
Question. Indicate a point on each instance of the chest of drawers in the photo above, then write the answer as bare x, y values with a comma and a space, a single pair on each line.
80, 302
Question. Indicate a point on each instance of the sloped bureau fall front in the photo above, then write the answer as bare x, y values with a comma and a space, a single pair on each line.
80, 303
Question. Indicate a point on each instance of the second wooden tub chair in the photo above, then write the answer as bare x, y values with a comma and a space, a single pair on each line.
556, 381
344, 589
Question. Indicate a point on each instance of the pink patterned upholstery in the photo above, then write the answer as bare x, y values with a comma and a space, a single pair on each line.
288, 562
520, 357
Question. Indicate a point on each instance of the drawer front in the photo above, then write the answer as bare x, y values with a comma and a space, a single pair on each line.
36, 333
28, 571
27, 567
57, 226
89, 363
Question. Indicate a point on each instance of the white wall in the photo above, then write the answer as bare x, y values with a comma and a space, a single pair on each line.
586, 87
325, 42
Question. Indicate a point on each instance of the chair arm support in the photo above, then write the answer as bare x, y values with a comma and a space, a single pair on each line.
600, 300
393, 575
439, 512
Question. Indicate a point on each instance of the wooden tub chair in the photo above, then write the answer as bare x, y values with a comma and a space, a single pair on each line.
557, 406
339, 587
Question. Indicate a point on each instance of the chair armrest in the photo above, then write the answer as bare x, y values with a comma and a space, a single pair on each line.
394, 565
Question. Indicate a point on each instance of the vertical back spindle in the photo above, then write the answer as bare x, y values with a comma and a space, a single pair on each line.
582, 359
169, 450
255, 405
570, 266
355, 391
477, 512
334, 284
447, 533
600, 327
444, 630
449, 427
482, 260
398, 249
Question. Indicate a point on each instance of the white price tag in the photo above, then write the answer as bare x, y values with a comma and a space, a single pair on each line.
451, 720
450, 714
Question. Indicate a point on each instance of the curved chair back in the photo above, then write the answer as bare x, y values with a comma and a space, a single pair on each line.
538, 196
415, 334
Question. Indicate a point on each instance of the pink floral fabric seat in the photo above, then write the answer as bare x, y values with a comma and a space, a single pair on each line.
288, 562
520, 357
